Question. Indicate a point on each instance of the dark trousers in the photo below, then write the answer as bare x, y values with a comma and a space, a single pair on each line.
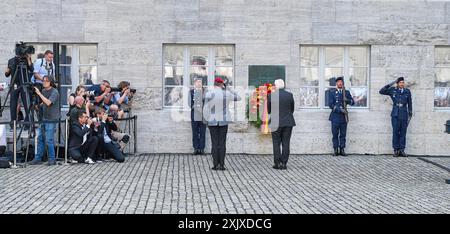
218, 144
399, 133
198, 135
15, 100
282, 136
114, 149
339, 131
80, 154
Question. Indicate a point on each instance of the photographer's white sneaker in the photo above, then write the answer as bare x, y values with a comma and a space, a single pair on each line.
89, 161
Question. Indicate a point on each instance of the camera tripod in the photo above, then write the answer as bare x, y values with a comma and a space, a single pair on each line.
25, 90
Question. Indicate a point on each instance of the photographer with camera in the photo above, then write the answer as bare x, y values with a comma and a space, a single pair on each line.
98, 94
20, 69
50, 111
43, 67
80, 91
104, 126
79, 104
122, 94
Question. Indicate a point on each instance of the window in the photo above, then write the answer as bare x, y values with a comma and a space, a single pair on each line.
184, 63
320, 63
77, 65
442, 77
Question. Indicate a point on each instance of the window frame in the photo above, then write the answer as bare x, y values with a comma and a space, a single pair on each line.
322, 86
186, 67
436, 108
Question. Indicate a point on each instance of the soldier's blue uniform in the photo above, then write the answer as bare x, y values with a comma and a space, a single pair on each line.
337, 117
401, 111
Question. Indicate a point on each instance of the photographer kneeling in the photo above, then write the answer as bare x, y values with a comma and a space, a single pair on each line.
104, 131
82, 144
49, 108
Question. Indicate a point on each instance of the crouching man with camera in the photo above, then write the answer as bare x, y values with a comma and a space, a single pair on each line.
82, 144
49, 108
104, 130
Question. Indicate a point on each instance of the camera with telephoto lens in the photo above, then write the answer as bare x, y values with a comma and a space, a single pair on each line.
22, 49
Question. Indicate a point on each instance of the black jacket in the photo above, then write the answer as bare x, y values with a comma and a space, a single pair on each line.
110, 126
77, 131
284, 102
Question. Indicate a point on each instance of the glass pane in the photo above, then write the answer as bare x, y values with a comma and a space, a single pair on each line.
358, 76
198, 55
198, 72
226, 73
88, 54
309, 97
330, 73
65, 91
359, 96
442, 56
334, 56
358, 56
173, 96
224, 56
65, 54
173, 75
88, 75
309, 56
39, 50
309, 76
173, 55
64, 73
442, 77
442, 97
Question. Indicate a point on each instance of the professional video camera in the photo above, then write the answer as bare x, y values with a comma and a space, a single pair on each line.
22, 49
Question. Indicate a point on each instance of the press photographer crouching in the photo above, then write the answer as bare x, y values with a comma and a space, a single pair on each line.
49, 111
103, 126
82, 144
19, 70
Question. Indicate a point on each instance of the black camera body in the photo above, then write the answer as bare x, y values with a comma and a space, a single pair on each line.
22, 49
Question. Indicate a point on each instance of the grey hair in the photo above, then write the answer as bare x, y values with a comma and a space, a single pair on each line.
279, 83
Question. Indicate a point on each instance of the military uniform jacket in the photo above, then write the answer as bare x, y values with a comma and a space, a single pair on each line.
402, 101
336, 99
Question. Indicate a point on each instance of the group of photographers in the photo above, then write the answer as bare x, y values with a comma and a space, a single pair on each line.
92, 131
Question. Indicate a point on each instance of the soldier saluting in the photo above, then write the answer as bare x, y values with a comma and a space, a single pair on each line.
337, 100
401, 113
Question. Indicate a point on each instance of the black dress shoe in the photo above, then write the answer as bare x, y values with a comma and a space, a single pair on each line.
336, 152
195, 152
276, 166
396, 153
215, 168
343, 152
222, 168
201, 152
403, 154
283, 166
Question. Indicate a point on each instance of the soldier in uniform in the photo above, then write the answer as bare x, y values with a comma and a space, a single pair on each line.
339, 115
401, 113
198, 127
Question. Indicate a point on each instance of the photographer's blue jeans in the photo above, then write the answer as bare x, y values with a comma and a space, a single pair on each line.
49, 141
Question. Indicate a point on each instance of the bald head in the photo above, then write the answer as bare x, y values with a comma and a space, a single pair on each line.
78, 101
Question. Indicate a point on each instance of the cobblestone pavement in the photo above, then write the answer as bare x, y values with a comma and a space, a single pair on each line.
177, 183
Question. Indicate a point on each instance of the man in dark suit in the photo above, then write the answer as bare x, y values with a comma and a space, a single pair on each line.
401, 113
339, 115
280, 106
82, 144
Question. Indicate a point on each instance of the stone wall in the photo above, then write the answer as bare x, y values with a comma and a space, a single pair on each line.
130, 35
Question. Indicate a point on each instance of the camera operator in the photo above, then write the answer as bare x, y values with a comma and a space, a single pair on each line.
123, 94
80, 91
79, 104
50, 111
19, 78
43, 67
82, 144
105, 130
100, 93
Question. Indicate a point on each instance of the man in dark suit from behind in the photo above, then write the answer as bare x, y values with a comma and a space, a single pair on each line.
281, 109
